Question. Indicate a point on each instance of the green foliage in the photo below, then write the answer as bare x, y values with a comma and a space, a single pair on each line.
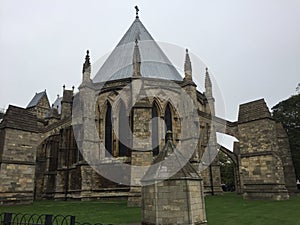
226, 169
287, 112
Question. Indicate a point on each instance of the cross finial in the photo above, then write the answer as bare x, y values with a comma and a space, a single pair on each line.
136, 11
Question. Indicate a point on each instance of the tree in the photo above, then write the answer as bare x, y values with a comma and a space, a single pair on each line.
287, 112
227, 170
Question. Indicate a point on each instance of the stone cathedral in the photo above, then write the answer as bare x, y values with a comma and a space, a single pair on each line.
45, 152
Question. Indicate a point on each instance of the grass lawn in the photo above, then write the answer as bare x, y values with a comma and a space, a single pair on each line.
231, 209
228, 209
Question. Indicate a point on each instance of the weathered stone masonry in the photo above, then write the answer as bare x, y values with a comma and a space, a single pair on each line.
40, 158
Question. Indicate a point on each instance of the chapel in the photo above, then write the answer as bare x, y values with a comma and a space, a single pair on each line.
99, 142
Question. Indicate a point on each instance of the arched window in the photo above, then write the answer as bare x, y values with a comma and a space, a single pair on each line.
168, 118
108, 131
124, 131
155, 135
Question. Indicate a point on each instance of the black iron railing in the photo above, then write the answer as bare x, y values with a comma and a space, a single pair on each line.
35, 219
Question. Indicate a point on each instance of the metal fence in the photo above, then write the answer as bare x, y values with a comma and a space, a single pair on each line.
35, 219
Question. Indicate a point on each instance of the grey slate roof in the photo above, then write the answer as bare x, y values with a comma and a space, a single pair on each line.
154, 62
136, 31
19, 118
57, 104
35, 100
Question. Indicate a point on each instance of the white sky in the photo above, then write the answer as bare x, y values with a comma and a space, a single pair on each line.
252, 47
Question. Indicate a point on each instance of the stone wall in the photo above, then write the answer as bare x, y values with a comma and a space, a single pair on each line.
261, 167
43, 107
18, 167
2, 140
51, 183
66, 104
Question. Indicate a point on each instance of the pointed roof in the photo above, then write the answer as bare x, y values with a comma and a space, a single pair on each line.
137, 31
154, 62
170, 164
36, 99
57, 104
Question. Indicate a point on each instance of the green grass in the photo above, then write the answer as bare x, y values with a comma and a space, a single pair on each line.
231, 209
106, 212
228, 209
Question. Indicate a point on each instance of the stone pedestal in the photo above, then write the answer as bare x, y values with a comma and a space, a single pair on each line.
172, 191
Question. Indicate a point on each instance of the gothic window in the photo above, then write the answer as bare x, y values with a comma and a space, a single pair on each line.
62, 152
77, 143
108, 131
75, 157
69, 146
155, 135
168, 118
54, 146
124, 131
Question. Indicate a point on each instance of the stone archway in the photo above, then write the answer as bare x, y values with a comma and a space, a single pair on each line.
234, 158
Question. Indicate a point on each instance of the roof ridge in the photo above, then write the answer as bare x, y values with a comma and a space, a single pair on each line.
134, 32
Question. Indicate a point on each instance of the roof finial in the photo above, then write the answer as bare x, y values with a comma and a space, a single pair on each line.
136, 60
187, 65
209, 92
136, 11
208, 83
87, 64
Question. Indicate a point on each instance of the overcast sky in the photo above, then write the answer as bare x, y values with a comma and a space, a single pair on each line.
252, 47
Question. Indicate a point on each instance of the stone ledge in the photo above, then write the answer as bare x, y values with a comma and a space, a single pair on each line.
17, 162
